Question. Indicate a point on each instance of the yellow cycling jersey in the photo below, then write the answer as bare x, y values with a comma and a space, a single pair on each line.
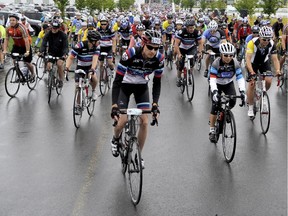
260, 54
41, 34
3, 31
165, 24
115, 27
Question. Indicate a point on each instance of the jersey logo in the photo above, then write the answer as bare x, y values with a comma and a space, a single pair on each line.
124, 56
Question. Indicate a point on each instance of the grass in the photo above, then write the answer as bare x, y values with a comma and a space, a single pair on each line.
10, 44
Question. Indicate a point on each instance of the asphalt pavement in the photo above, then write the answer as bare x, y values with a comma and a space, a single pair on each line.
48, 167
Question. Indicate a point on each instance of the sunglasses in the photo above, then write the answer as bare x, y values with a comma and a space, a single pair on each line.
152, 48
255, 32
266, 39
103, 24
230, 56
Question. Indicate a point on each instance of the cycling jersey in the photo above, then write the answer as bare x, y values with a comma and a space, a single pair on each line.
277, 27
84, 54
78, 25
57, 44
248, 38
125, 33
168, 28
106, 36
243, 32
18, 33
259, 54
214, 40
133, 69
188, 40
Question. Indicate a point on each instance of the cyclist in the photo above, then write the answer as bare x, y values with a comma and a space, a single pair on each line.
137, 40
277, 26
255, 33
57, 44
201, 26
45, 29
76, 26
27, 25
186, 44
2, 38
131, 78
214, 37
22, 41
87, 53
284, 44
124, 33
168, 32
222, 72
107, 43
257, 59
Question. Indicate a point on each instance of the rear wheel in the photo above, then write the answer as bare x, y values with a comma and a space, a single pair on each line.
283, 78
32, 82
265, 113
50, 84
77, 108
135, 174
12, 82
190, 85
229, 136
199, 64
103, 81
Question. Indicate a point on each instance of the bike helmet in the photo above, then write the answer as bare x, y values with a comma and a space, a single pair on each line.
103, 19
227, 48
14, 15
93, 35
213, 25
152, 37
84, 24
255, 29
266, 32
169, 16
190, 22
124, 24
279, 19
140, 27
56, 24
157, 21
201, 20
179, 22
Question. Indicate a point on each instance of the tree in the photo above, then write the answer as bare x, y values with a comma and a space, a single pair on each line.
125, 4
61, 4
92, 5
188, 3
271, 6
248, 5
203, 4
80, 4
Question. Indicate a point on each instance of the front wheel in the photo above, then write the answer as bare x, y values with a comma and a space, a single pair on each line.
229, 137
40, 64
265, 113
135, 174
103, 81
77, 108
12, 82
190, 85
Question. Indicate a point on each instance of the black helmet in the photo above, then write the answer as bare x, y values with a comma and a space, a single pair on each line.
93, 35
190, 22
56, 24
23, 18
14, 15
169, 16
152, 37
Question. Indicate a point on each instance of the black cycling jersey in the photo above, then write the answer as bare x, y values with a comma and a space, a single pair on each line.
57, 43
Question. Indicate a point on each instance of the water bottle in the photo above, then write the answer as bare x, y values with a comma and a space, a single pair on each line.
24, 71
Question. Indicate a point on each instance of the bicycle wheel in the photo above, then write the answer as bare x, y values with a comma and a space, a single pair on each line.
58, 89
123, 149
265, 113
109, 80
103, 81
135, 175
12, 82
31, 83
229, 137
50, 84
77, 108
283, 79
190, 85
90, 103
199, 64
40, 64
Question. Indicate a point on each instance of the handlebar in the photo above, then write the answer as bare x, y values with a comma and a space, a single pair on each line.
226, 98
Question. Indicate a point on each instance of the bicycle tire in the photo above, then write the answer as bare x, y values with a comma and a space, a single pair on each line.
103, 81
32, 83
109, 81
58, 90
265, 116
50, 84
183, 85
283, 79
40, 67
123, 150
190, 85
90, 103
77, 116
135, 170
12, 82
229, 134
199, 65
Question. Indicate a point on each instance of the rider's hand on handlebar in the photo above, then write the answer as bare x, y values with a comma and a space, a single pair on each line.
215, 96
115, 112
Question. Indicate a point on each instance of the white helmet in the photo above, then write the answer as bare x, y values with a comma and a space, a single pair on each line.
266, 32
179, 22
213, 25
227, 48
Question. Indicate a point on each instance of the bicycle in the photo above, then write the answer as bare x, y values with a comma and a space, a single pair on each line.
105, 76
53, 76
83, 97
211, 60
241, 55
187, 77
282, 81
16, 76
169, 57
41, 64
130, 152
199, 63
226, 125
261, 100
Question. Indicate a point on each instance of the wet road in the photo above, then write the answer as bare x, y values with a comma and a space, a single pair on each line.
47, 167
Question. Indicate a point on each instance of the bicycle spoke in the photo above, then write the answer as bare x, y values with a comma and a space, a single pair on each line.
12, 82
265, 113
